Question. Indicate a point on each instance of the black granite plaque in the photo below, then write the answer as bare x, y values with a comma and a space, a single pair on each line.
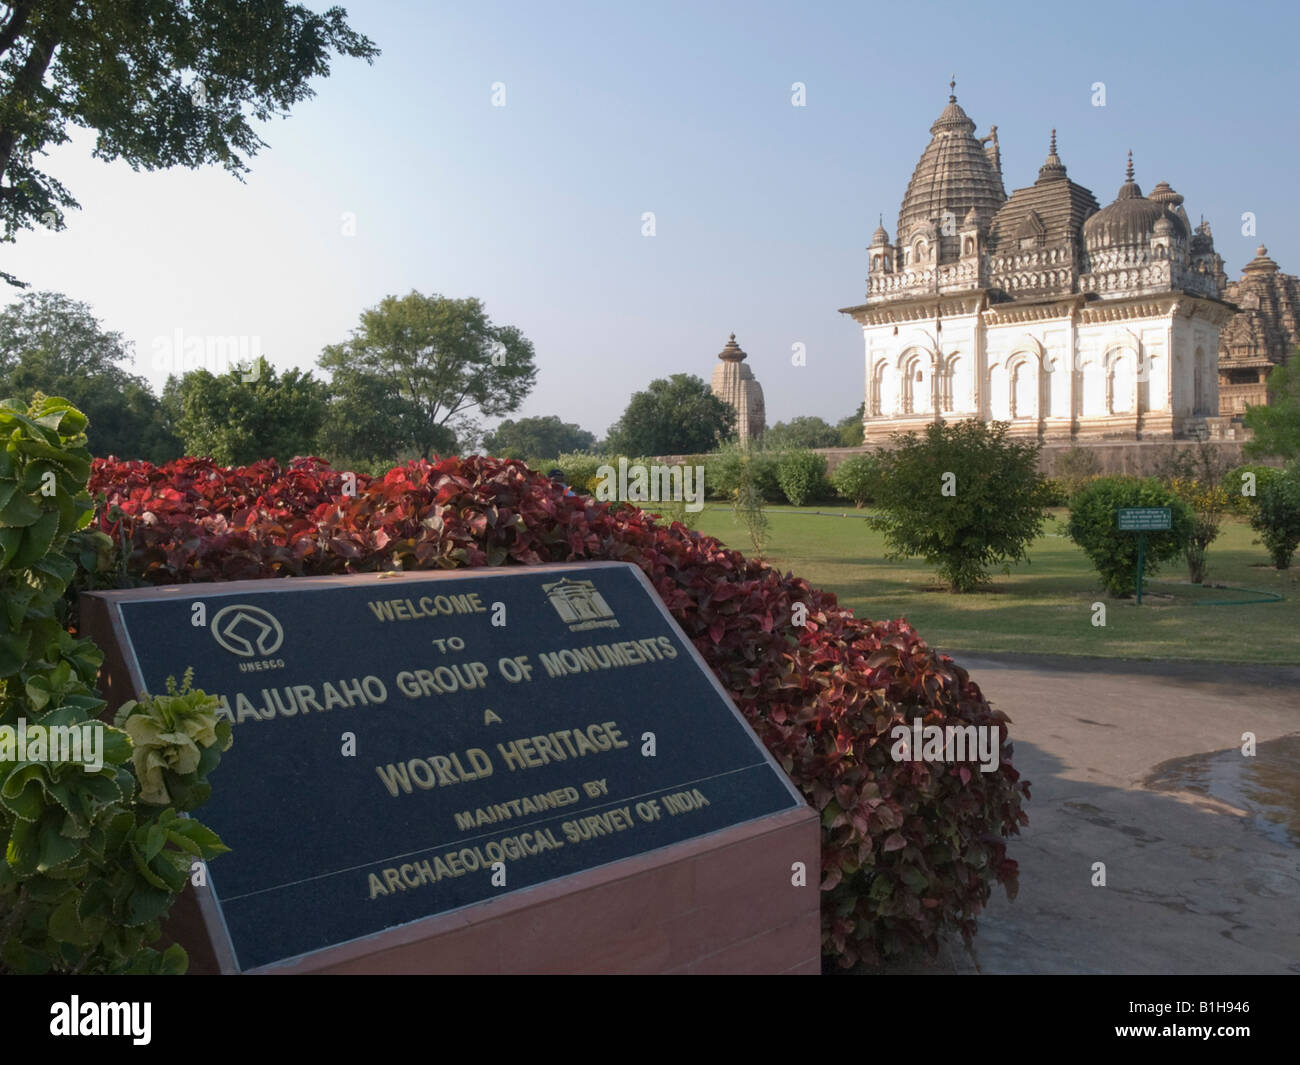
407, 746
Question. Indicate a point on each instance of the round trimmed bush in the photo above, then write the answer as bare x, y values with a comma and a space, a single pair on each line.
802, 477
1277, 516
1094, 524
723, 469
857, 478
909, 849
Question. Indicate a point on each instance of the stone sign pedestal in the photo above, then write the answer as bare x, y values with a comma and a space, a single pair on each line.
725, 904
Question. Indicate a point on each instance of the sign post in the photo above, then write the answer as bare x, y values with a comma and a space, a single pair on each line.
1142, 520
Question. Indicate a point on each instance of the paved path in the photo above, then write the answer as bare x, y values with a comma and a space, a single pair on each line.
1117, 756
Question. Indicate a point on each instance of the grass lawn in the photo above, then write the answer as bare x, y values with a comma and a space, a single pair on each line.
1045, 606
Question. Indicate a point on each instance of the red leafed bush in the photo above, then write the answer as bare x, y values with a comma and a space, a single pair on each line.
909, 849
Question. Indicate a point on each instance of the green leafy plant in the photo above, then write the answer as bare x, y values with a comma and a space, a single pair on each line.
725, 467
579, 469
1243, 484
963, 497
802, 477
1093, 525
1277, 516
857, 478
747, 506
1209, 502
90, 868
176, 740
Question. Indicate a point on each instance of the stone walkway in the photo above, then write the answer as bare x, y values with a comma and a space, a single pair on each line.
1202, 850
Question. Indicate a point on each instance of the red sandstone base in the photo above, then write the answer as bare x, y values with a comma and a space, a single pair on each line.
720, 904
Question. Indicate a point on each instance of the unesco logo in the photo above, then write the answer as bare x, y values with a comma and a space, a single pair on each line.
247, 631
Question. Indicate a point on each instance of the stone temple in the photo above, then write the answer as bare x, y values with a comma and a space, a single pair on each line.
1262, 334
1044, 309
734, 383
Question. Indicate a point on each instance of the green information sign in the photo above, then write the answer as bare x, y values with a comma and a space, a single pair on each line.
1145, 519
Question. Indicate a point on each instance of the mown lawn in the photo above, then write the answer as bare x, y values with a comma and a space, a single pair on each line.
1045, 606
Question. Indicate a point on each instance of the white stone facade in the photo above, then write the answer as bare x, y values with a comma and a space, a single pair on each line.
1138, 368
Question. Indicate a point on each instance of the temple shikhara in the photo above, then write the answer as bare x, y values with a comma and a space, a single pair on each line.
1262, 334
734, 383
1068, 319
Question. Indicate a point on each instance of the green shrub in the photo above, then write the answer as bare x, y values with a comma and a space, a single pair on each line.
1244, 483
747, 506
90, 868
857, 478
963, 497
579, 469
1208, 501
1056, 492
802, 477
1277, 516
723, 473
1093, 526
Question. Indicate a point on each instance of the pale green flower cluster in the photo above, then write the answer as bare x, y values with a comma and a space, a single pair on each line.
170, 732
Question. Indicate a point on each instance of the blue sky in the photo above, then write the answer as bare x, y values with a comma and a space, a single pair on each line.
763, 210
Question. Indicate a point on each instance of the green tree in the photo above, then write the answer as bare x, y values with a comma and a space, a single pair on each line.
679, 415
437, 360
248, 413
963, 497
1277, 426
542, 438
367, 421
162, 83
803, 432
53, 344
850, 428
1276, 516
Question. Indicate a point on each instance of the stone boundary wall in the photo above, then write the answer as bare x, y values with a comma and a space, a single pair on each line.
1139, 457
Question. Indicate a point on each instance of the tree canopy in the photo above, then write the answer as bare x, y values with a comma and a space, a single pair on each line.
678, 415
247, 413
53, 344
804, 432
543, 438
432, 363
162, 83
850, 428
1277, 426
